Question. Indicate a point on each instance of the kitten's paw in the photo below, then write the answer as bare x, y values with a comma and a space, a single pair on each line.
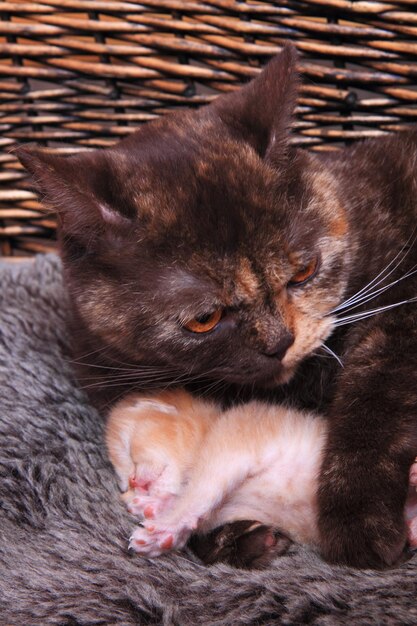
245, 544
153, 538
148, 541
152, 441
153, 489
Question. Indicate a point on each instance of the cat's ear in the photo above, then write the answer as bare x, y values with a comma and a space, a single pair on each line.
262, 110
77, 188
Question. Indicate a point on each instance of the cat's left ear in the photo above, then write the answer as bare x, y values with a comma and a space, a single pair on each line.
262, 110
80, 188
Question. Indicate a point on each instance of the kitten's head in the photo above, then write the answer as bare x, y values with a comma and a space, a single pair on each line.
204, 242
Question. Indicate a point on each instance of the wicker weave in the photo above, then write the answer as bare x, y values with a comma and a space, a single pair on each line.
78, 74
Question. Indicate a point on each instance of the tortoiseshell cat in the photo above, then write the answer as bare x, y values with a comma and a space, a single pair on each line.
205, 249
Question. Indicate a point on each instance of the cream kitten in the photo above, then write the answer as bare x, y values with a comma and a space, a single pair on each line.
186, 466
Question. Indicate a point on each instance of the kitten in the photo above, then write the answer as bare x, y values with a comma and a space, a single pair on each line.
205, 250
187, 467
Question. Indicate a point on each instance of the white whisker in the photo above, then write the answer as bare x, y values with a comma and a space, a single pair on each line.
333, 354
132, 369
371, 296
364, 292
135, 383
356, 317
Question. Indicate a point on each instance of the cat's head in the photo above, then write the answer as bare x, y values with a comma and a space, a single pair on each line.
204, 241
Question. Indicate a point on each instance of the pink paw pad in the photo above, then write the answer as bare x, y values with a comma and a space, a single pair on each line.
136, 505
149, 511
153, 539
147, 506
132, 482
167, 543
141, 484
150, 541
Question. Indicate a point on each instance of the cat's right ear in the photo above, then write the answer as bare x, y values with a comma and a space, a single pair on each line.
73, 187
262, 111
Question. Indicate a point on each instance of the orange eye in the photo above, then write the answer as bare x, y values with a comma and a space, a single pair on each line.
204, 323
305, 274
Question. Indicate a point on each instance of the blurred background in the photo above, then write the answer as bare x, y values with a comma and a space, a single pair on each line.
81, 74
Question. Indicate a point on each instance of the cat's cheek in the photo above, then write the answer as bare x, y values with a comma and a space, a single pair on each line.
108, 317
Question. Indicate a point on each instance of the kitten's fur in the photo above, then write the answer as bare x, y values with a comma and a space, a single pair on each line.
185, 466
214, 208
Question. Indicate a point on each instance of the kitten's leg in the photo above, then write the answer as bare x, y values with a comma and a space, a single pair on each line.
207, 487
152, 442
137, 440
230, 455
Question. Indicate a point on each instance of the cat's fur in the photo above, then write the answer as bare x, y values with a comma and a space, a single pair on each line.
214, 208
187, 467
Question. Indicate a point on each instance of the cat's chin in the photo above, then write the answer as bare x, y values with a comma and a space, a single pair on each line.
281, 378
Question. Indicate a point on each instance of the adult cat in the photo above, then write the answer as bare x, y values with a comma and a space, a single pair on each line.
204, 247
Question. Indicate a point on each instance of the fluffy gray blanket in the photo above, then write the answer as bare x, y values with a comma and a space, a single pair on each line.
63, 545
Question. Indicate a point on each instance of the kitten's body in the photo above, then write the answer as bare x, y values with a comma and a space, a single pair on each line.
186, 466
189, 463
213, 210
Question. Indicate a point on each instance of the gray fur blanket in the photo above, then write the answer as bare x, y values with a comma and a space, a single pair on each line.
63, 534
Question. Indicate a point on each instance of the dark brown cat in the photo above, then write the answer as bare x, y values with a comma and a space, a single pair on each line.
205, 249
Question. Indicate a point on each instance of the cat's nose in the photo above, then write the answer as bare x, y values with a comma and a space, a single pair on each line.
279, 349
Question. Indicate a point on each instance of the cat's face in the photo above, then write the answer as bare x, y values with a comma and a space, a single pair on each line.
203, 242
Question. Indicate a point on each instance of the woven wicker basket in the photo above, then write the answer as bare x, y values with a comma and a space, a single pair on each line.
80, 74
